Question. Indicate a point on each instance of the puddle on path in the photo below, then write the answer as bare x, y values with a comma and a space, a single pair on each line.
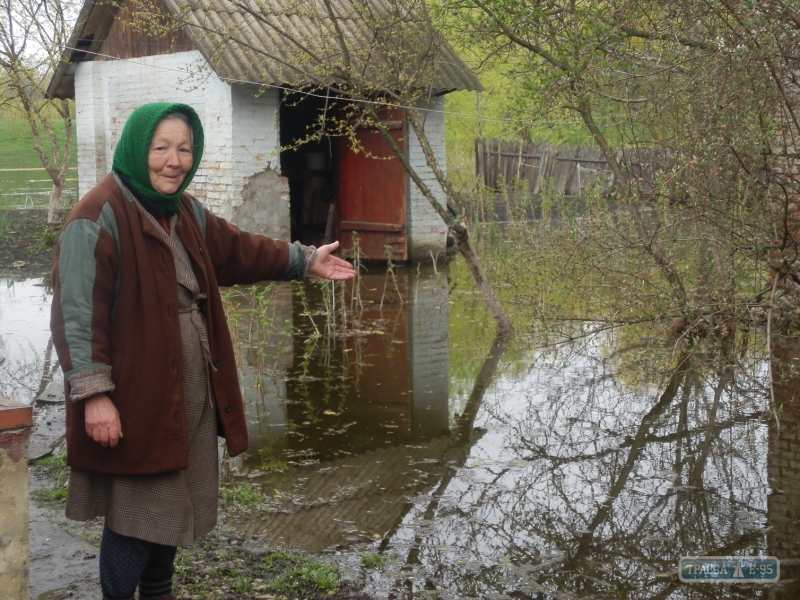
582, 472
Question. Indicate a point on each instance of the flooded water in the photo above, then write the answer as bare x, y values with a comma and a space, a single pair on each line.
30, 188
27, 360
480, 468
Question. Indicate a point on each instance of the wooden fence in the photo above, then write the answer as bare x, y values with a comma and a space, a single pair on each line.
562, 170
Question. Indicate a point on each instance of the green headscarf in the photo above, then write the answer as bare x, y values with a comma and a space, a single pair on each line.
130, 155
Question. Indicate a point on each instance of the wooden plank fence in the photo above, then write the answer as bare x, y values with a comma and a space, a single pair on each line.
565, 170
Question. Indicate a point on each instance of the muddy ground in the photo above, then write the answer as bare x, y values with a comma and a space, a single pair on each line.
64, 554
223, 565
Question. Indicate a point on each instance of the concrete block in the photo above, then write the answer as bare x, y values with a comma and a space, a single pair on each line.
53, 394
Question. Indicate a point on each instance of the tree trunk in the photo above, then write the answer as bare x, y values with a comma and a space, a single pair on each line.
55, 196
448, 213
460, 231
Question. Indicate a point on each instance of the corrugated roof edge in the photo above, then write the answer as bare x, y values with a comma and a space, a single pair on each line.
453, 74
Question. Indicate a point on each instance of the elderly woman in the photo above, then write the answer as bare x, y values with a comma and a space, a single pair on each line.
141, 335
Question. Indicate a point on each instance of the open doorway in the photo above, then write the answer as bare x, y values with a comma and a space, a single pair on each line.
347, 187
309, 166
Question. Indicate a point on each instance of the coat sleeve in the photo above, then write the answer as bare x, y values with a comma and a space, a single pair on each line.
84, 276
240, 257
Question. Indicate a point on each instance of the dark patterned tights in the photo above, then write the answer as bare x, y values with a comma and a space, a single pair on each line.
126, 562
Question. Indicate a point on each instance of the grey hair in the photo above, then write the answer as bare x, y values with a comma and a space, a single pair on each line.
181, 116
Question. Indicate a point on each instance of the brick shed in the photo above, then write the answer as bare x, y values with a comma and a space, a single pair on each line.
253, 172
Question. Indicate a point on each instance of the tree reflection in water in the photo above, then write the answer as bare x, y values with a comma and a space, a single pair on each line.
595, 475
581, 472
584, 471
27, 361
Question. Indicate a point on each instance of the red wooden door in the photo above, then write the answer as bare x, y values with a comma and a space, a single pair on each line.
371, 191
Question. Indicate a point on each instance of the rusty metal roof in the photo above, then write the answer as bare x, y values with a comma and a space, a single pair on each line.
296, 42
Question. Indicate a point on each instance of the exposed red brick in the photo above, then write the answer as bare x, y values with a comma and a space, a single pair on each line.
14, 415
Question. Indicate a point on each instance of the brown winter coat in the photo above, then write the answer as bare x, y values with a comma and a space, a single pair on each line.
121, 312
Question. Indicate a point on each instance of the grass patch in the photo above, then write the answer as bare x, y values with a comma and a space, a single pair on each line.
243, 496
54, 496
49, 237
242, 585
52, 461
221, 569
373, 560
56, 468
307, 575
274, 465
17, 148
30, 188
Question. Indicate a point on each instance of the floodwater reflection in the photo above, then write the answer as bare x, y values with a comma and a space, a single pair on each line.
349, 414
482, 468
27, 360
584, 471
591, 481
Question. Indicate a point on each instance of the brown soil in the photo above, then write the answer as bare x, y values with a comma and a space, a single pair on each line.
27, 243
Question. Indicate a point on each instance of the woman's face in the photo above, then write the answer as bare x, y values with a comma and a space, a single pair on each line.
170, 157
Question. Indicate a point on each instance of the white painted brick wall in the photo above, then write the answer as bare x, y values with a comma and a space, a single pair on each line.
237, 144
89, 125
255, 129
427, 231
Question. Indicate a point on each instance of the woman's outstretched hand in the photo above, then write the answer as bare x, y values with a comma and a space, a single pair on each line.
328, 266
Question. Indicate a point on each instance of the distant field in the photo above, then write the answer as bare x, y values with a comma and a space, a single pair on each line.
28, 184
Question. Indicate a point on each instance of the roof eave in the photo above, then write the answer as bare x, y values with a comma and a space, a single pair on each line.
55, 89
